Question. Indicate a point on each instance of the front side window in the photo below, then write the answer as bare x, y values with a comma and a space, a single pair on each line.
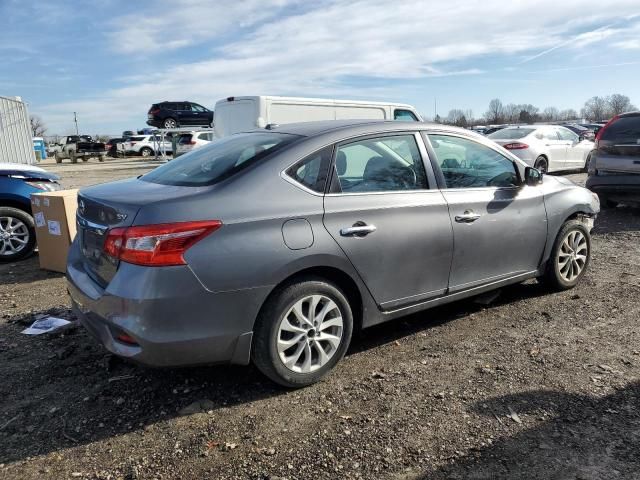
383, 164
219, 159
198, 108
567, 135
312, 171
469, 164
404, 115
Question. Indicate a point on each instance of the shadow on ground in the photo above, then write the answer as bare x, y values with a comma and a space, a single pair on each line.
584, 438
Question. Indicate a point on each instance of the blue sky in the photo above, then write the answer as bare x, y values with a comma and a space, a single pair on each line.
110, 60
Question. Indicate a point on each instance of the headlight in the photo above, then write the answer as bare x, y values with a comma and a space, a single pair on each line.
46, 186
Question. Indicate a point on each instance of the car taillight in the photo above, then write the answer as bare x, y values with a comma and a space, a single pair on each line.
153, 111
157, 245
192, 142
601, 131
516, 146
132, 143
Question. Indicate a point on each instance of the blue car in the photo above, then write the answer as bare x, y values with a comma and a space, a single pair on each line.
17, 229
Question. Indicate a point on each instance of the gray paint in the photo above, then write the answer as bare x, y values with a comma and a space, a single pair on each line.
417, 257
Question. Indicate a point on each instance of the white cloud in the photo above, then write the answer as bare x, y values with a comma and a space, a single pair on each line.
326, 49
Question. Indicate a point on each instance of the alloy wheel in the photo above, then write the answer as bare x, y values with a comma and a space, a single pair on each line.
309, 334
572, 255
14, 235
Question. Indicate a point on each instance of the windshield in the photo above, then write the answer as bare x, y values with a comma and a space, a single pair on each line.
511, 133
218, 160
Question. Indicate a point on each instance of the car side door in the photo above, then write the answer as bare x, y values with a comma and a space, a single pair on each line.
388, 216
556, 148
499, 224
571, 142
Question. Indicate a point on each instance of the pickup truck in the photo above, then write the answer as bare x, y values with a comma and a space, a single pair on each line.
78, 146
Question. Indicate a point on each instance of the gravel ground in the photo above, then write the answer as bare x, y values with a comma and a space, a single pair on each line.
533, 385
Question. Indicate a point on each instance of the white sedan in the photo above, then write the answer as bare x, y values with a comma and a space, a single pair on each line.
548, 148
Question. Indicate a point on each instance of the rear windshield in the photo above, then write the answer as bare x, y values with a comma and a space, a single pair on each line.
624, 129
185, 138
219, 160
511, 133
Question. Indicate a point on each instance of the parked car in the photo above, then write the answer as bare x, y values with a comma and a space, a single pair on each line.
582, 132
112, 146
548, 148
179, 114
614, 169
490, 130
188, 141
17, 228
282, 244
239, 114
594, 127
145, 145
76, 147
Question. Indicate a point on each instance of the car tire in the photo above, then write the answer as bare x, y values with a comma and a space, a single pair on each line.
27, 232
57, 157
73, 157
280, 333
573, 248
146, 152
542, 164
170, 123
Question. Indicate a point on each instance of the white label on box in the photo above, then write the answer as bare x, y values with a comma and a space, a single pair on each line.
45, 202
39, 218
36, 201
54, 227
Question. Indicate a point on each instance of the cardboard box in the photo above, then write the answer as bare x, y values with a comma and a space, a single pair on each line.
54, 214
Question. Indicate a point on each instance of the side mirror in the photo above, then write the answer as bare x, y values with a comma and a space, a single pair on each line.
532, 176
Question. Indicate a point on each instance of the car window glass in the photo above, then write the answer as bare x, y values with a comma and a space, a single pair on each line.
469, 164
510, 133
381, 164
567, 135
624, 129
312, 171
203, 136
550, 134
404, 115
186, 107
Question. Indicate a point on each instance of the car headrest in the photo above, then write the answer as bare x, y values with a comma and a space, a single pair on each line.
450, 163
341, 163
377, 168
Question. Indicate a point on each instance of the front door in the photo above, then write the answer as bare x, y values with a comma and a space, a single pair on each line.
499, 225
575, 148
392, 226
556, 149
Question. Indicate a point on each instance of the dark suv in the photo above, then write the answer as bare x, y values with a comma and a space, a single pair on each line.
614, 167
179, 114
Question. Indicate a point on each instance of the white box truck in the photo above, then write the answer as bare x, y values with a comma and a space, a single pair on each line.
237, 114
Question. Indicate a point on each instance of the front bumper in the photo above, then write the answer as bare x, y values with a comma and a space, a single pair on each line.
173, 319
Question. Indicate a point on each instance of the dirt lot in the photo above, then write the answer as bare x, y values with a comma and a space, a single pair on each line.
532, 386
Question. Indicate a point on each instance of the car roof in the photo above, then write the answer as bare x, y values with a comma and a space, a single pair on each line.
311, 129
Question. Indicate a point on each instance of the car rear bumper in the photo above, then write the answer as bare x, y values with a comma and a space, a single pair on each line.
615, 186
171, 326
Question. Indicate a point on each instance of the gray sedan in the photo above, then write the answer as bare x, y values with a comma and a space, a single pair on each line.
274, 246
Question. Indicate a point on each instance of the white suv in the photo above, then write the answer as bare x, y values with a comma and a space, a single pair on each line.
145, 145
191, 140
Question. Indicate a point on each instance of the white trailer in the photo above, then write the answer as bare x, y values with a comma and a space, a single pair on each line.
237, 114
16, 143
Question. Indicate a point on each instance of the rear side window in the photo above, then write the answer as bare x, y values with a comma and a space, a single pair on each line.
382, 164
404, 115
624, 130
219, 160
312, 171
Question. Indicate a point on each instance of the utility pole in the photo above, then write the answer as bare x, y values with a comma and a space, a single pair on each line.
75, 119
435, 108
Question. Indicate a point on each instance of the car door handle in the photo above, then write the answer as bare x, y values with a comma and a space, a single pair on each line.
357, 230
467, 217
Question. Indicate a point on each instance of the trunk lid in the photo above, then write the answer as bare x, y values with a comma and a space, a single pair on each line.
618, 148
113, 205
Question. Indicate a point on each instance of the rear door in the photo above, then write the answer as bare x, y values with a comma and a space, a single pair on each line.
618, 149
390, 219
499, 225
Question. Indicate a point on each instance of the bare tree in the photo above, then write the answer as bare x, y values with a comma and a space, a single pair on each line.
596, 109
457, 117
550, 114
495, 114
568, 114
38, 128
619, 104
511, 112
